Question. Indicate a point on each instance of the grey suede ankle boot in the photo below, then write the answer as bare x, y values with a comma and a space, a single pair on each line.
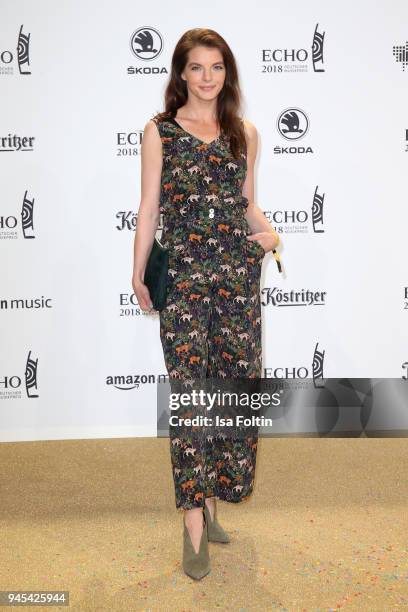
215, 532
196, 565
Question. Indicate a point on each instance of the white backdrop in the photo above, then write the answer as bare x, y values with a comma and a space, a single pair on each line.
71, 330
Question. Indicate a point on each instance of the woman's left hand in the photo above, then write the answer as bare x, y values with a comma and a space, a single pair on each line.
268, 240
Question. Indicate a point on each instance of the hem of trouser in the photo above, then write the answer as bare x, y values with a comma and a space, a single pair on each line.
192, 506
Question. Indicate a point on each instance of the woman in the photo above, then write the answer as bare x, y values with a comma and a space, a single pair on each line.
198, 161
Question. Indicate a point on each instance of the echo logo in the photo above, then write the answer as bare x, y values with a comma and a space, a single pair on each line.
298, 221
9, 223
284, 60
11, 386
128, 143
22, 53
301, 371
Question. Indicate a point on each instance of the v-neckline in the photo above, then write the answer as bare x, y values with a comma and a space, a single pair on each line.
196, 138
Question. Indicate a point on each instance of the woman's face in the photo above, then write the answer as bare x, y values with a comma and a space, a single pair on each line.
204, 72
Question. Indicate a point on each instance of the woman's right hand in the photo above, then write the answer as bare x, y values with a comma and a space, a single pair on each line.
142, 294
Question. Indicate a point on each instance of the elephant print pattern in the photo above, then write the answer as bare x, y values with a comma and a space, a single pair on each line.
211, 325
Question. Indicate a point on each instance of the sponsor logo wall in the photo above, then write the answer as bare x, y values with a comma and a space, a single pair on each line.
79, 358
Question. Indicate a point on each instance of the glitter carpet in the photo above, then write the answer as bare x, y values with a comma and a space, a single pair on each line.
325, 529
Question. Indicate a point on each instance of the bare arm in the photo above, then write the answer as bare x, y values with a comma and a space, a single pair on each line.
148, 214
259, 224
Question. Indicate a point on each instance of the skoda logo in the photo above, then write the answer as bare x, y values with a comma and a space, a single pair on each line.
146, 43
292, 124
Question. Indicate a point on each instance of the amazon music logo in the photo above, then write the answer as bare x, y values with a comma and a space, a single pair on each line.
146, 44
284, 60
400, 52
297, 221
11, 225
20, 55
40, 303
11, 386
314, 371
274, 296
128, 382
128, 144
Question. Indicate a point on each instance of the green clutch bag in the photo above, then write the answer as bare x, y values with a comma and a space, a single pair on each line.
155, 277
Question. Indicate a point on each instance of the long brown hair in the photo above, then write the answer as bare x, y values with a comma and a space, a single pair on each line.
229, 98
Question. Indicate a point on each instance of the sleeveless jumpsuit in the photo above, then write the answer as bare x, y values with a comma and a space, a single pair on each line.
211, 325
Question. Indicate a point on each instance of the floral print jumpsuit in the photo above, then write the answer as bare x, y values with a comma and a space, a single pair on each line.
211, 325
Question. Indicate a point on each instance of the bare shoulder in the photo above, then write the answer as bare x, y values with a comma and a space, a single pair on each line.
150, 129
151, 138
250, 131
